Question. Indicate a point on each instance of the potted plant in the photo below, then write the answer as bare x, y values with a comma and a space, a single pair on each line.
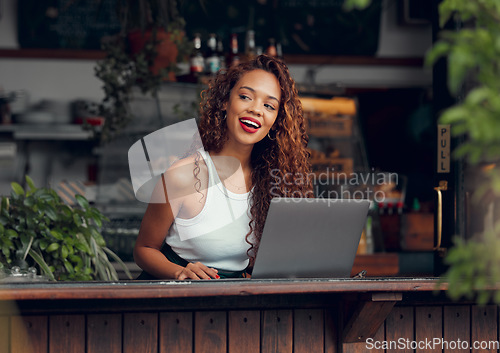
142, 56
38, 230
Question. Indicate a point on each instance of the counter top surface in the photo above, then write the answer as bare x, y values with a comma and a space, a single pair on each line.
209, 288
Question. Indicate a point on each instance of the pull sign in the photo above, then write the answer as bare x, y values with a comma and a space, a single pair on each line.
443, 150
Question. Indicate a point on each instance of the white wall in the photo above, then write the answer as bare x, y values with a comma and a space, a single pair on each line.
50, 79
42, 78
400, 41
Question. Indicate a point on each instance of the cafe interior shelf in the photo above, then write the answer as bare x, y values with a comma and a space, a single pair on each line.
289, 58
52, 54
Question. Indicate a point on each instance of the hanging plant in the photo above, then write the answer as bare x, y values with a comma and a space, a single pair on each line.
140, 58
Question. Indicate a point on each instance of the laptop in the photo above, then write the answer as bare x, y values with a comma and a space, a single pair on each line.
310, 238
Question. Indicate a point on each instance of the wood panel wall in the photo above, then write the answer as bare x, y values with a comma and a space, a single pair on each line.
247, 331
458, 327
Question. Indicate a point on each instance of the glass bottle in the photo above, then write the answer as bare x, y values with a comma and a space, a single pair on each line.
250, 50
279, 50
221, 54
212, 61
271, 48
234, 57
196, 61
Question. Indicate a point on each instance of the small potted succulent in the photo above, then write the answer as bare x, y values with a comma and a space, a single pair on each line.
38, 230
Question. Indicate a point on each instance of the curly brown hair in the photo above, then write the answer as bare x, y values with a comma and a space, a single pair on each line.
283, 156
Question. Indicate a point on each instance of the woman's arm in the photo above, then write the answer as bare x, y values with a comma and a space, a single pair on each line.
156, 222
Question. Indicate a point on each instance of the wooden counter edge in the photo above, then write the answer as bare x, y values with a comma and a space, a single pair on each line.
172, 289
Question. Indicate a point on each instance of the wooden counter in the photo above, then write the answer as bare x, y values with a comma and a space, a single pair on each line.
206, 288
233, 316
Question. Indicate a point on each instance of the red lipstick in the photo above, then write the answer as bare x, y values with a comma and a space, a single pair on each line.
250, 125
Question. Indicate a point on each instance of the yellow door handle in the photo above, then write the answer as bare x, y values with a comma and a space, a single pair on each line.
443, 185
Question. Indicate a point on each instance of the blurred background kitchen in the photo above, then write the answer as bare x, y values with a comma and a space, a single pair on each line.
371, 60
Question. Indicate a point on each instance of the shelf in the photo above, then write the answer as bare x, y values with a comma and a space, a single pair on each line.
46, 132
289, 58
352, 60
69, 54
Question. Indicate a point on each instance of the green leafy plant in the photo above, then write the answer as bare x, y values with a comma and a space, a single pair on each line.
473, 56
38, 229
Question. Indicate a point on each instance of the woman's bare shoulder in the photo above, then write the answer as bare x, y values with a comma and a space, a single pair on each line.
185, 172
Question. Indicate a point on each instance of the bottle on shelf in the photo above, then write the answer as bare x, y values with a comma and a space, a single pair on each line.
234, 57
212, 60
221, 54
400, 207
279, 50
196, 60
271, 48
390, 209
250, 51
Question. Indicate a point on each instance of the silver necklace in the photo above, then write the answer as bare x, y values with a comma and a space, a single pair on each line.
236, 186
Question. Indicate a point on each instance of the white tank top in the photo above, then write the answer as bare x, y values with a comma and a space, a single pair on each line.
216, 235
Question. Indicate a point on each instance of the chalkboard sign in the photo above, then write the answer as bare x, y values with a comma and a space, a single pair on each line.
68, 24
323, 27
301, 26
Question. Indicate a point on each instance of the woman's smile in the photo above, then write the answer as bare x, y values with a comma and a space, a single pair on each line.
250, 125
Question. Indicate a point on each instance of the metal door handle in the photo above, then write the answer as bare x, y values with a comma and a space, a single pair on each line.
443, 185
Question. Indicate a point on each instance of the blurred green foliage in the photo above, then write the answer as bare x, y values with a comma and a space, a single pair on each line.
473, 56
356, 4
38, 229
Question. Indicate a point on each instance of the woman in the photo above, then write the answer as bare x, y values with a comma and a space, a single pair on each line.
253, 134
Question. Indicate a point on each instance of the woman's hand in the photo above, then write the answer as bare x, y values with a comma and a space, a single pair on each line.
196, 270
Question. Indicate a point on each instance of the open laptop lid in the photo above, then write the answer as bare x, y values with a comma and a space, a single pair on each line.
310, 238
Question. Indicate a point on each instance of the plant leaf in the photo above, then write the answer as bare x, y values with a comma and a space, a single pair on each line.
30, 183
52, 247
38, 258
56, 234
28, 248
18, 189
117, 259
82, 201
77, 219
68, 266
49, 211
29, 201
11, 234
